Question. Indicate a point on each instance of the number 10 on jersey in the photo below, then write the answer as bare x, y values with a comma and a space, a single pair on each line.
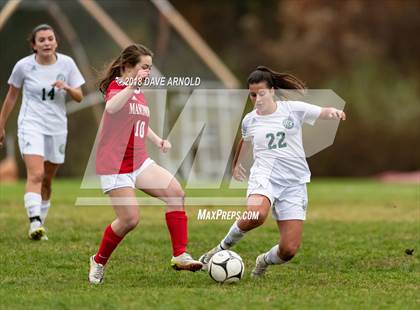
139, 130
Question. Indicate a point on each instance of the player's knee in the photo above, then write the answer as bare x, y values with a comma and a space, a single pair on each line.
259, 217
288, 251
175, 196
178, 193
181, 197
131, 223
256, 221
36, 176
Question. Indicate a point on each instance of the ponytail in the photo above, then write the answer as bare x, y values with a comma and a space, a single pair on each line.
275, 79
113, 71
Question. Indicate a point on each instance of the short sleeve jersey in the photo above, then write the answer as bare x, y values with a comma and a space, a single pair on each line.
43, 106
122, 138
277, 142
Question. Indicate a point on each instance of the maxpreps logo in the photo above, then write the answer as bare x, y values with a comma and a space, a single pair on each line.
219, 214
288, 123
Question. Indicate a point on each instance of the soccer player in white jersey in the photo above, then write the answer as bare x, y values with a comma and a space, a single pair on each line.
280, 172
46, 77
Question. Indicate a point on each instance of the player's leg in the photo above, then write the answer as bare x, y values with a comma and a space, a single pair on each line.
158, 182
54, 154
32, 198
256, 203
290, 213
31, 146
124, 202
50, 170
291, 236
127, 212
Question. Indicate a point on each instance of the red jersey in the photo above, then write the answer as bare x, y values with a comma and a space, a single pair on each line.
122, 140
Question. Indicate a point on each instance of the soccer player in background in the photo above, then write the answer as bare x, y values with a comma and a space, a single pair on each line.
123, 164
46, 78
280, 172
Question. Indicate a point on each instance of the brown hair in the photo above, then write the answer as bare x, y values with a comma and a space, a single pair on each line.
130, 56
32, 35
275, 79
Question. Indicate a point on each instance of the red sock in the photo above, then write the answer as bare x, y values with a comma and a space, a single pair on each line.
177, 225
109, 242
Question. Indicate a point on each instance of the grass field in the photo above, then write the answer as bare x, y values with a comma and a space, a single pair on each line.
352, 256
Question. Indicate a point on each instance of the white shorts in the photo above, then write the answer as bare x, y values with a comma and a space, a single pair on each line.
114, 181
287, 202
51, 147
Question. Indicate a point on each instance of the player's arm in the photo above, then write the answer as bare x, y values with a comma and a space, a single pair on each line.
332, 114
75, 93
162, 144
238, 171
6, 109
313, 112
117, 101
237, 151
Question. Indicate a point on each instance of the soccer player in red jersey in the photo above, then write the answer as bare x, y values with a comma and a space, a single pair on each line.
123, 164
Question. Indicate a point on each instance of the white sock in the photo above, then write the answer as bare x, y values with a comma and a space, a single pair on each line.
272, 258
32, 204
234, 235
45, 205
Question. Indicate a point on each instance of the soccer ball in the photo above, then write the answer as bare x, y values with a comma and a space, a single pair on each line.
226, 267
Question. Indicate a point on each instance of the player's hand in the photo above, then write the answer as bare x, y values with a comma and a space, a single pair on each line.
60, 85
141, 75
2, 136
165, 145
239, 173
337, 114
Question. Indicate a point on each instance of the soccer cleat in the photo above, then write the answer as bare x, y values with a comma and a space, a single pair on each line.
185, 262
44, 237
96, 271
260, 266
36, 231
205, 258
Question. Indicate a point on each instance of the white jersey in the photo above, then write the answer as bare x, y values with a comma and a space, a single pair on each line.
277, 142
43, 106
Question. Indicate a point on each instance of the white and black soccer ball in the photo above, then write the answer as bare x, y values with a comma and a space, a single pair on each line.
226, 267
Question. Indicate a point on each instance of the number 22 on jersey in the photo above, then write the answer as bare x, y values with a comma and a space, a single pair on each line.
272, 138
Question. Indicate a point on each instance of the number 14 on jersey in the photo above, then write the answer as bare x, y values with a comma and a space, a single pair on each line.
50, 94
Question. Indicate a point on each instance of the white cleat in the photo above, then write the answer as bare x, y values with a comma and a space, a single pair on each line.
96, 271
205, 258
185, 262
260, 266
36, 231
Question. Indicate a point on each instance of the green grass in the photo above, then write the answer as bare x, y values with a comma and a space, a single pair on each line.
352, 255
